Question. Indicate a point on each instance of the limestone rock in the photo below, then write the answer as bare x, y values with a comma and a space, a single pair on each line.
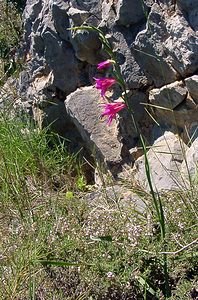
77, 16
180, 119
190, 10
181, 46
169, 96
132, 72
30, 14
148, 49
59, 11
168, 47
87, 46
189, 167
86, 43
65, 66
192, 86
108, 13
92, 6
114, 193
165, 158
176, 107
130, 12
157, 54
128, 129
100, 139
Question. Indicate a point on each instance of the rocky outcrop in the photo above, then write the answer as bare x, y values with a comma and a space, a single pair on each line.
165, 158
156, 46
175, 104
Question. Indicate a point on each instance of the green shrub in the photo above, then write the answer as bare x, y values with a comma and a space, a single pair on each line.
10, 35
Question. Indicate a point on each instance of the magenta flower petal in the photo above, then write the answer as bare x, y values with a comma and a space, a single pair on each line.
111, 109
104, 64
103, 84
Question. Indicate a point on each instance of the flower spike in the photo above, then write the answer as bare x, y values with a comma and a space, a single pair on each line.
105, 64
111, 109
103, 84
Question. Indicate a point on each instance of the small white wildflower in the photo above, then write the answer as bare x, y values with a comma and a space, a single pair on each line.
181, 225
110, 275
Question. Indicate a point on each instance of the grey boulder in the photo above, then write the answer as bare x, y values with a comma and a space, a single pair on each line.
165, 158
102, 140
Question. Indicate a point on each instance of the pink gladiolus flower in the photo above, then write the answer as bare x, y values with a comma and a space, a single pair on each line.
103, 84
105, 64
111, 109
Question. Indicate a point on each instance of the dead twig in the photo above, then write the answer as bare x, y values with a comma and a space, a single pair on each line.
173, 252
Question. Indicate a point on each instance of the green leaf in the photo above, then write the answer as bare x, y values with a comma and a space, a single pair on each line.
69, 195
60, 263
57, 263
106, 238
81, 183
145, 284
86, 28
